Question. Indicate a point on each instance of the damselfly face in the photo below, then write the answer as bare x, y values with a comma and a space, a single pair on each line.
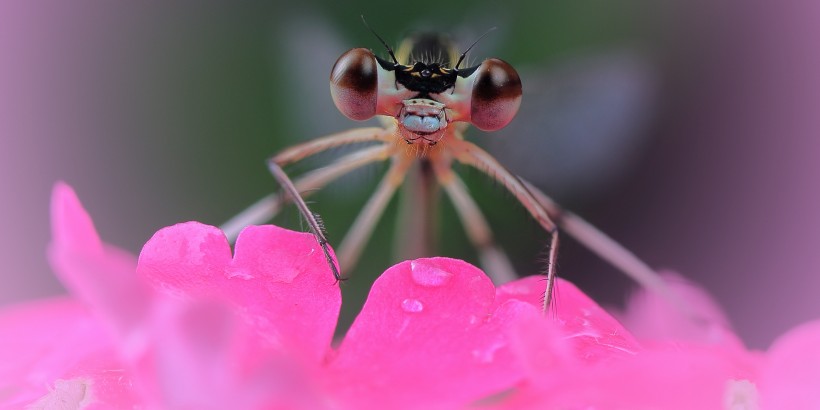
424, 90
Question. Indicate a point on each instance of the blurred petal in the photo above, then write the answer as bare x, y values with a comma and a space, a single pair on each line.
100, 275
584, 358
71, 225
670, 378
55, 351
791, 374
650, 317
206, 356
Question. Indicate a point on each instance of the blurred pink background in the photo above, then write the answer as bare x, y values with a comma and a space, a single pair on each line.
732, 185
727, 194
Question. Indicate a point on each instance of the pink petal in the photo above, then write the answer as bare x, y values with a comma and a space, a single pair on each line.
54, 350
791, 373
581, 357
71, 225
100, 275
430, 333
279, 280
196, 343
591, 332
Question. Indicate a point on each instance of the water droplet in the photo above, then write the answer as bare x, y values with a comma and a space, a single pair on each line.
412, 305
427, 275
488, 355
239, 273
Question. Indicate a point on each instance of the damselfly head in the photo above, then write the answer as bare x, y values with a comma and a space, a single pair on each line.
423, 89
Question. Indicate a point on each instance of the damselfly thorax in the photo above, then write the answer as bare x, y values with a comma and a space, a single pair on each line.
427, 96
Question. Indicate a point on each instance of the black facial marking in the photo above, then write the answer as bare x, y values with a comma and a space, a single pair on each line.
429, 69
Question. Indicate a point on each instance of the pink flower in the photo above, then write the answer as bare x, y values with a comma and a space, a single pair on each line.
193, 326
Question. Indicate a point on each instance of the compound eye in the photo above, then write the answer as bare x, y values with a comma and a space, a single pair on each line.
354, 84
496, 95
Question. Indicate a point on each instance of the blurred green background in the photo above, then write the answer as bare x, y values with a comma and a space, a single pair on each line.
160, 112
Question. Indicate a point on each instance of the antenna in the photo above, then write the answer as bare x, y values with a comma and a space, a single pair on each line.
389, 50
464, 54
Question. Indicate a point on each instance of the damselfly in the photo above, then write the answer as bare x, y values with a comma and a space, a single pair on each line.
426, 100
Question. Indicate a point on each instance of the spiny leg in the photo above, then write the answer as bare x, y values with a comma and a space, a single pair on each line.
313, 220
470, 154
267, 208
493, 259
611, 251
362, 228
309, 148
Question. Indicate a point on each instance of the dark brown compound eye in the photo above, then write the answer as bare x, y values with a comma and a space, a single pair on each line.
354, 84
496, 95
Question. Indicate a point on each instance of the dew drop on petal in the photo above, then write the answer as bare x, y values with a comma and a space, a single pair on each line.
412, 305
66, 394
487, 355
427, 275
239, 273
